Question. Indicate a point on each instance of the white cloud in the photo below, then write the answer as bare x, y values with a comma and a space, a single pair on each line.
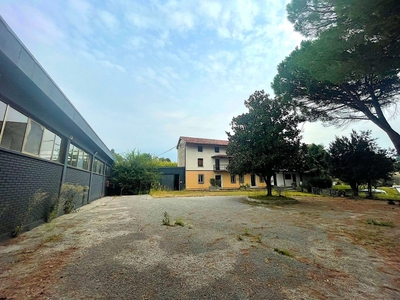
108, 19
80, 15
32, 20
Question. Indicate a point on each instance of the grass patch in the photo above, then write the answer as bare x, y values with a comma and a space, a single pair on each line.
265, 197
55, 238
283, 252
380, 223
251, 192
179, 222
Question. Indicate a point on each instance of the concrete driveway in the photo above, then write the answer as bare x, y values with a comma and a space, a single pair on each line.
117, 248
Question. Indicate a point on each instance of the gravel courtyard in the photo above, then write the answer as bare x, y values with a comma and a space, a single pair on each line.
117, 248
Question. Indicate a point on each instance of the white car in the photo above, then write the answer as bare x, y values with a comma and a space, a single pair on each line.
374, 191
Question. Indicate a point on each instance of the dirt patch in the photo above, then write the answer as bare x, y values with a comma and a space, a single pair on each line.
117, 248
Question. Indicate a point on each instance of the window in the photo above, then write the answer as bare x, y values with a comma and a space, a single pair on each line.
241, 178
98, 166
56, 156
86, 161
288, 176
200, 162
200, 178
261, 179
78, 158
47, 144
216, 149
23, 134
200, 148
233, 178
107, 170
3, 108
33, 138
14, 130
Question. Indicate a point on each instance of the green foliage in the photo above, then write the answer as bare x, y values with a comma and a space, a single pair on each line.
283, 252
244, 186
358, 160
164, 162
380, 223
179, 222
349, 71
68, 195
366, 30
135, 172
264, 140
322, 182
36, 199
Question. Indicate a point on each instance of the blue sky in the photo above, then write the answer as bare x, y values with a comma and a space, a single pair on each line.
143, 73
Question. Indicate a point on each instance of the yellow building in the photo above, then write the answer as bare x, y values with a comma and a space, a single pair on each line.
204, 159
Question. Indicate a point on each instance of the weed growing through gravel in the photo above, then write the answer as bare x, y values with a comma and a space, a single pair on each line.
247, 232
53, 238
283, 252
239, 237
36, 199
167, 219
179, 222
380, 223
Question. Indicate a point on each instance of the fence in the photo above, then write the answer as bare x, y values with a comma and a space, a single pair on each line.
331, 192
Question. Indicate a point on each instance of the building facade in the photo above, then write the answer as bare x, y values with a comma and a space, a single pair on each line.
44, 141
205, 159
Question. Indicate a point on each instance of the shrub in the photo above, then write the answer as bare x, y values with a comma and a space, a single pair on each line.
36, 199
66, 200
322, 182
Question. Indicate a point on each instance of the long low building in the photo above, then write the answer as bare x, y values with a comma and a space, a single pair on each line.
44, 141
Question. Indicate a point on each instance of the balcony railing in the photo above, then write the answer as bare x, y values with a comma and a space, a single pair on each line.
221, 167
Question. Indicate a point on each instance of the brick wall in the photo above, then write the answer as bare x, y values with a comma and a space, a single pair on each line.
97, 189
80, 177
21, 177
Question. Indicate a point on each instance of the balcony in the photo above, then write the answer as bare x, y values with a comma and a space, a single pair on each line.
221, 167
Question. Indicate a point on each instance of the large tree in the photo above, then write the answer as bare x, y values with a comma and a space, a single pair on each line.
358, 160
265, 140
348, 71
316, 167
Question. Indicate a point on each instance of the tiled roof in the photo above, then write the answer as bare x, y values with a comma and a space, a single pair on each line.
201, 141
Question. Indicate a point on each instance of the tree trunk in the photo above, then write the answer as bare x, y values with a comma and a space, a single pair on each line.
369, 189
267, 179
354, 187
383, 124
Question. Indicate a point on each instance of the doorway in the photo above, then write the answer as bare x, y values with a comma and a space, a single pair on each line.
218, 179
253, 180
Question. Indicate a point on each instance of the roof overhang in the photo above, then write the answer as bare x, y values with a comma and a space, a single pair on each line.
25, 85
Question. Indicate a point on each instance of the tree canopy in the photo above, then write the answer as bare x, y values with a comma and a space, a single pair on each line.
265, 140
358, 160
370, 28
135, 172
349, 70
315, 164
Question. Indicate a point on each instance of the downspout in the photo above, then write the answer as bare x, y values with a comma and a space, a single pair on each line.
64, 171
91, 176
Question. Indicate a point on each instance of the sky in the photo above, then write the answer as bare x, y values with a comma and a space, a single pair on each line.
142, 73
